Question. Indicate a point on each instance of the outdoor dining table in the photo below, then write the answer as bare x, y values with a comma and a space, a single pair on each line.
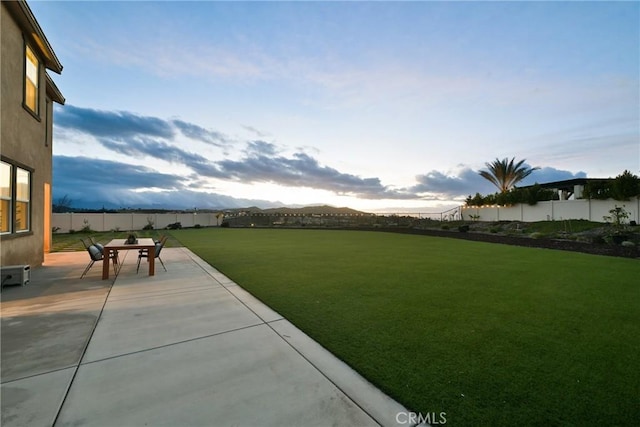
121, 244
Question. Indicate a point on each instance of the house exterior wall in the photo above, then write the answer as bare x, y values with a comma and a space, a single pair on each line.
23, 142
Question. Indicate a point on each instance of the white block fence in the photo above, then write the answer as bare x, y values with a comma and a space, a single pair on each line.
128, 221
554, 210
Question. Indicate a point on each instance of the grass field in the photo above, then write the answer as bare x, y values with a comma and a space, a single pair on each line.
490, 334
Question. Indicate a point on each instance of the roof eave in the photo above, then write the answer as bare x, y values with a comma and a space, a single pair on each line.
53, 92
26, 20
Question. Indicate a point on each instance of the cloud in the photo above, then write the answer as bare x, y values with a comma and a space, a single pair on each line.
136, 146
198, 133
120, 125
459, 183
257, 132
82, 174
133, 135
94, 183
111, 123
548, 174
141, 136
263, 164
83, 179
137, 136
465, 181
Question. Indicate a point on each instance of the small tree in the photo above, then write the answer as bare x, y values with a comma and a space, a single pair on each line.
150, 223
622, 187
618, 216
625, 185
62, 205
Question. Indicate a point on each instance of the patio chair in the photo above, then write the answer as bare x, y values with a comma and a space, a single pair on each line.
144, 253
113, 255
96, 255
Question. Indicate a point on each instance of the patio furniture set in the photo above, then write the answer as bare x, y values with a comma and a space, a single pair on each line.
146, 247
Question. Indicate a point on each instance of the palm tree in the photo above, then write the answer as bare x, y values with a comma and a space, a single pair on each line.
504, 174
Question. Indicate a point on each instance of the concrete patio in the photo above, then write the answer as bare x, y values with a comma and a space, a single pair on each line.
187, 347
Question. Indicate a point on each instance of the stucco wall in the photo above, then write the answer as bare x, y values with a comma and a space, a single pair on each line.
554, 210
127, 221
22, 140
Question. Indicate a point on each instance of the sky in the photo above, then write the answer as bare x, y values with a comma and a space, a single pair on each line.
378, 106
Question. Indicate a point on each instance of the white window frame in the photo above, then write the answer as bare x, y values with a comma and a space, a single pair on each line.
7, 197
25, 198
31, 76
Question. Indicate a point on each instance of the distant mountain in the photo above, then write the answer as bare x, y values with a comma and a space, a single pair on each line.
305, 210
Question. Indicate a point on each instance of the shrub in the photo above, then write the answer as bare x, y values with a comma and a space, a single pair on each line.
463, 228
174, 226
625, 185
197, 226
622, 187
225, 224
597, 190
149, 225
536, 235
530, 195
86, 228
444, 227
618, 217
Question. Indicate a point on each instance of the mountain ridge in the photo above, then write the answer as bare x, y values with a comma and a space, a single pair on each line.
303, 210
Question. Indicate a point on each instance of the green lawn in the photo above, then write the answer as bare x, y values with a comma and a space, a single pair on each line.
490, 334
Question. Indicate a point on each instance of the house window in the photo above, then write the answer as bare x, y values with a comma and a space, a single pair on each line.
5, 197
31, 79
15, 199
23, 200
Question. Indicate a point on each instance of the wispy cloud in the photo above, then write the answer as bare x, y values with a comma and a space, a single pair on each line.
199, 133
262, 163
138, 136
112, 123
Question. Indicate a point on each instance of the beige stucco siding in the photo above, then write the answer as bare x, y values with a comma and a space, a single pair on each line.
22, 140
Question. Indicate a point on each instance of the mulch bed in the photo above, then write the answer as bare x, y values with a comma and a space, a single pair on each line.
564, 245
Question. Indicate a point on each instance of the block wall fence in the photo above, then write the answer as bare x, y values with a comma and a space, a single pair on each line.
128, 221
554, 210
